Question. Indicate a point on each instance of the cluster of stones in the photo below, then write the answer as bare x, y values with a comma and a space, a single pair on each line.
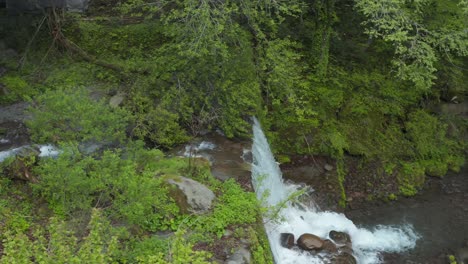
339, 245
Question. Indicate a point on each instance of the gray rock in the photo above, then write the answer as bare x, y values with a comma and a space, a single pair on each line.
199, 197
116, 100
240, 256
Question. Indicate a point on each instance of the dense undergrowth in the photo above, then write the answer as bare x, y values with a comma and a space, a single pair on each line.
325, 77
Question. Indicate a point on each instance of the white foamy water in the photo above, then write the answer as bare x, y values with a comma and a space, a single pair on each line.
268, 183
7, 153
45, 151
192, 150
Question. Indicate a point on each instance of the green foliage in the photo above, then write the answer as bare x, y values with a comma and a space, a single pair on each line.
17, 249
234, 206
180, 252
341, 181
410, 178
433, 148
452, 259
14, 88
64, 182
259, 246
58, 245
143, 248
122, 183
69, 114
155, 123
403, 24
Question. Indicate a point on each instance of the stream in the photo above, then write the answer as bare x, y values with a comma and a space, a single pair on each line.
417, 230
367, 244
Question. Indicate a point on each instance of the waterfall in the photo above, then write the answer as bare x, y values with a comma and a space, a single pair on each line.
272, 190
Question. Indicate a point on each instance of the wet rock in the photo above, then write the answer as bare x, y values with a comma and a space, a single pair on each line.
344, 258
240, 256
198, 196
346, 249
340, 237
287, 240
310, 242
329, 246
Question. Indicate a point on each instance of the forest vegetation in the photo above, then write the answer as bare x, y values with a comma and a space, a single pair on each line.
338, 78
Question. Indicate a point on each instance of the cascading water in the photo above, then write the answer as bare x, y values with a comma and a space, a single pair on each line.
270, 188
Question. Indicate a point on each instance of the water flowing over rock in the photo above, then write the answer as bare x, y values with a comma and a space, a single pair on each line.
198, 196
270, 188
287, 240
339, 237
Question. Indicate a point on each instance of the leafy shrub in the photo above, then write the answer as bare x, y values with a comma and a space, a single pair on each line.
56, 244
180, 252
410, 178
120, 182
15, 89
234, 206
65, 183
69, 114
155, 123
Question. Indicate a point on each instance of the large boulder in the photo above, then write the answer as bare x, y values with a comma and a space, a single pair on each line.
197, 196
287, 240
310, 242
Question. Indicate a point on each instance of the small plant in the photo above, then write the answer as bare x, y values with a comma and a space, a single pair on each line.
392, 197
452, 259
69, 114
